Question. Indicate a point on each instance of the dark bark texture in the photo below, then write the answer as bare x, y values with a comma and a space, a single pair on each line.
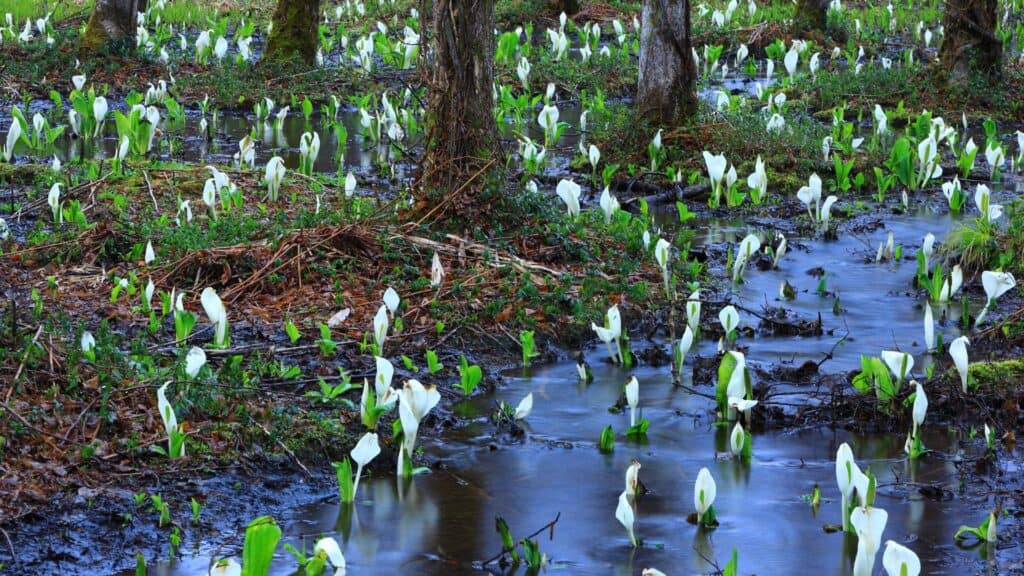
459, 68
294, 35
570, 7
666, 91
810, 15
970, 43
111, 20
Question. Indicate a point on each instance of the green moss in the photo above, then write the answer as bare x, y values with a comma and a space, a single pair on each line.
290, 38
1008, 374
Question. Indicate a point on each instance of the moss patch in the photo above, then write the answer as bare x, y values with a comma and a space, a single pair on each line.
1008, 374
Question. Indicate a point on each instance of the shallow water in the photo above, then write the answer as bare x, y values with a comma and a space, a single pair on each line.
443, 522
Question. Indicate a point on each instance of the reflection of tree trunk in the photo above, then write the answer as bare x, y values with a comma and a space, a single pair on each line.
570, 7
111, 20
970, 43
666, 91
810, 15
461, 133
294, 34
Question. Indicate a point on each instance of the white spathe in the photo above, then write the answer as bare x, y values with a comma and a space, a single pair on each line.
329, 547
569, 192
632, 398
899, 363
899, 560
704, 492
958, 351
364, 452
391, 300
729, 318
736, 439
194, 361
380, 327
870, 524
624, 514
524, 407
218, 315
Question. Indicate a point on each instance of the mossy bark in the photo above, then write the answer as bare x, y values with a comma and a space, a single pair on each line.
461, 132
294, 32
667, 85
111, 20
970, 44
810, 15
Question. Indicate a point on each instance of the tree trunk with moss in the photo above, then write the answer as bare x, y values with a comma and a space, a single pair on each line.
970, 44
294, 35
810, 15
667, 86
111, 21
461, 132
570, 7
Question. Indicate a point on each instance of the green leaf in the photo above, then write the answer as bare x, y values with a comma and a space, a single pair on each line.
607, 443
261, 538
733, 565
343, 470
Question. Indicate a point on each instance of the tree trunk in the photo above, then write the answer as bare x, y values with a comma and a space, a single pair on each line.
970, 43
666, 91
294, 35
810, 15
570, 7
461, 133
111, 20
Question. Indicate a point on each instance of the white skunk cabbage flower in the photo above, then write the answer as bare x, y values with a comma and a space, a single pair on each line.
995, 284
167, 414
380, 327
436, 271
958, 351
869, 523
329, 548
729, 318
951, 285
749, 246
685, 343
693, 310
704, 492
920, 406
609, 205
194, 361
274, 176
625, 515
364, 452
929, 328
217, 314
633, 477
847, 475
569, 192
524, 407
899, 363
900, 561
737, 439
632, 398
391, 300
810, 195
350, 185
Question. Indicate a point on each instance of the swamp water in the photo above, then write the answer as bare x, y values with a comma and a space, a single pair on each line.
443, 522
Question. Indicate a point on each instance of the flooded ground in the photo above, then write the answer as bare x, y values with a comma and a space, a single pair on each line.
443, 522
